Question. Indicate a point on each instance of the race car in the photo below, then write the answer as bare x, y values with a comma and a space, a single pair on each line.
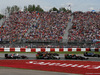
46, 55
91, 54
15, 56
73, 56
41, 55
53, 56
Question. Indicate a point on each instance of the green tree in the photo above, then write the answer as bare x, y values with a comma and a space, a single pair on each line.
68, 11
33, 7
25, 8
38, 8
14, 8
62, 9
1, 16
53, 9
8, 9
30, 8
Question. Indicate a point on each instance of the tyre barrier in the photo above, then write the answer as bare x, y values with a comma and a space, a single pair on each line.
47, 49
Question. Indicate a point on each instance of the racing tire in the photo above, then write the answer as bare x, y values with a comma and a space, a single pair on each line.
6, 55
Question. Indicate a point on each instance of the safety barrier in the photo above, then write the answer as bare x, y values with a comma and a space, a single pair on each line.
47, 49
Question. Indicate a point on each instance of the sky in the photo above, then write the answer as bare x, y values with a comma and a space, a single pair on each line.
76, 5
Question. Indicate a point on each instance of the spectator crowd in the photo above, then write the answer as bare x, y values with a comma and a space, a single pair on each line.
34, 26
86, 27
46, 26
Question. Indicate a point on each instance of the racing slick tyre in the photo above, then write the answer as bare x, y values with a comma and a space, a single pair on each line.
98, 56
59, 58
6, 55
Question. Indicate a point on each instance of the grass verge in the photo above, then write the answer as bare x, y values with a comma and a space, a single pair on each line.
66, 52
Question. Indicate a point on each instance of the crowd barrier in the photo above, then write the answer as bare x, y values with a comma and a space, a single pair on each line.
47, 49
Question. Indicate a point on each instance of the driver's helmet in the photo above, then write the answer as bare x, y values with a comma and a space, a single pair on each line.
17, 54
73, 55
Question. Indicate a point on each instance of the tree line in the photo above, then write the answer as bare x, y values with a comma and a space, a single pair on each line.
1, 16
32, 8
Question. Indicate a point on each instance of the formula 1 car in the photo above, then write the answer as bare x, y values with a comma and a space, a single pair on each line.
46, 55
73, 56
91, 54
15, 56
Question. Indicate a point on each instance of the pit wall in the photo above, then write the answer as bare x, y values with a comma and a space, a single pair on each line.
47, 49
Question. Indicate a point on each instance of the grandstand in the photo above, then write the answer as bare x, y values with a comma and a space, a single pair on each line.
50, 29
86, 28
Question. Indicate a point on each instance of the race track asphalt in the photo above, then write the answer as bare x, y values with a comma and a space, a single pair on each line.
12, 71
32, 56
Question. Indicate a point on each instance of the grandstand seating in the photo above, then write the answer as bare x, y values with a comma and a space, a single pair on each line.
86, 27
34, 26
44, 26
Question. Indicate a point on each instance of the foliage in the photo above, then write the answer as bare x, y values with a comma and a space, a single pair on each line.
12, 9
1, 16
38, 8
32, 8
53, 9
62, 9
25, 8
65, 52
